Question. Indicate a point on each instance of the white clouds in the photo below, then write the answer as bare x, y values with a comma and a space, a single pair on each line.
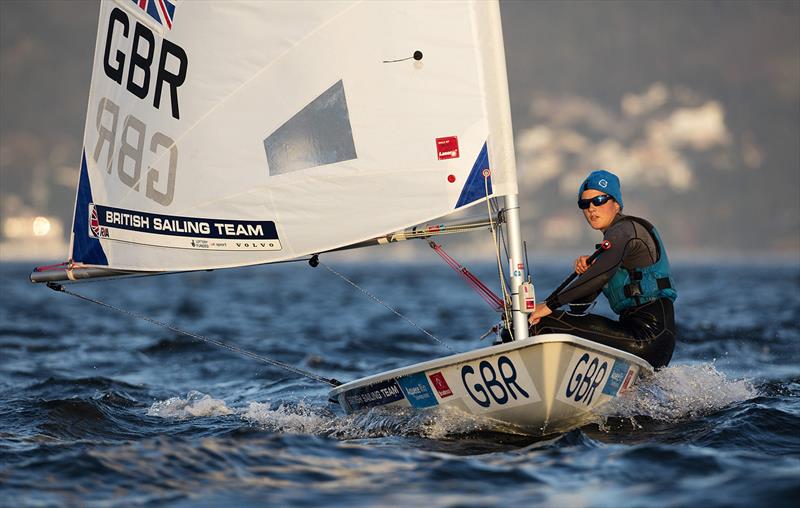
652, 141
655, 97
701, 128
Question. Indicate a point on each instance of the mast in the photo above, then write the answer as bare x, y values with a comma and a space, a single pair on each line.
501, 149
516, 266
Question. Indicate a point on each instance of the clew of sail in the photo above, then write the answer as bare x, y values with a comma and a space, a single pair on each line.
222, 134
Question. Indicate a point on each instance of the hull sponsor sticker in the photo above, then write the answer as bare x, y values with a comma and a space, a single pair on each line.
442, 388
583, 381
489, 384
378, 394
619, 372
629, 380
417, 390
173, 231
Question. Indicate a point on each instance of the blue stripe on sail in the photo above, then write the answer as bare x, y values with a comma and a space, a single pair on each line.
474, 188
152, 10
85, 249
170, 9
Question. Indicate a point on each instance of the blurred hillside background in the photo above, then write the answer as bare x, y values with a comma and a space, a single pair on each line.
696, 105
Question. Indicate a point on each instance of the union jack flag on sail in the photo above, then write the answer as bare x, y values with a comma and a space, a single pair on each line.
160, 10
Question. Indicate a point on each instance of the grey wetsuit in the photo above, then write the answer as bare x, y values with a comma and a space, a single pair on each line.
648, 331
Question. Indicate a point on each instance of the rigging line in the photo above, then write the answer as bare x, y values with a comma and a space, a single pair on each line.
378, 300
218, 343
502, 240
494, 301
500, 213
506, 297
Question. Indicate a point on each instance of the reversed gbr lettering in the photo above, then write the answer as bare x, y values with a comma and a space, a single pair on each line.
131, 153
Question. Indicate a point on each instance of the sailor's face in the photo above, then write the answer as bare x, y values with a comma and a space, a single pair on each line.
599, 217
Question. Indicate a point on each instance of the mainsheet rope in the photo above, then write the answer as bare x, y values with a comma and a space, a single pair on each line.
218, 343
384, 304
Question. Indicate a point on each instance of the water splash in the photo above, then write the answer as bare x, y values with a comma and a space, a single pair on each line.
681, 392
301, 418
196, 404
672, 394
306, 417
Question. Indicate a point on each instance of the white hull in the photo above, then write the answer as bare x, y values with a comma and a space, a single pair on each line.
540, 385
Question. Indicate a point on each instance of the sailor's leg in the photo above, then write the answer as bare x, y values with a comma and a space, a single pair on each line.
656, 349
589, 326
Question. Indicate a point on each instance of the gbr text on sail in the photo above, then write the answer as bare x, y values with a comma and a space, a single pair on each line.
146, 67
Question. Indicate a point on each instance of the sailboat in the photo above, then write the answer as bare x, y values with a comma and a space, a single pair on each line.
225, 134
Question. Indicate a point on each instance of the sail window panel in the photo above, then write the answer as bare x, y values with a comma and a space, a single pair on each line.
318, 134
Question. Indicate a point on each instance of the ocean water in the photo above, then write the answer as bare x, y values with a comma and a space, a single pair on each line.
99, 409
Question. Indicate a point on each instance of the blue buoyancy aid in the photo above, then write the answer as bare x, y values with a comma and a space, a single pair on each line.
638, 286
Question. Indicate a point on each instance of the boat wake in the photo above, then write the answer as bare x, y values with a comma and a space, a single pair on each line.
305, 417
680, 392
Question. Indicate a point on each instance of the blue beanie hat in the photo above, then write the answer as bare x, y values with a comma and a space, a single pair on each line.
603, 181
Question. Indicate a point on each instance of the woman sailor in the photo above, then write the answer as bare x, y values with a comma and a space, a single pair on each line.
633, 274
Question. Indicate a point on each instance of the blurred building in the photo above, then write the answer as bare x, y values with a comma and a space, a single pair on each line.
32, 238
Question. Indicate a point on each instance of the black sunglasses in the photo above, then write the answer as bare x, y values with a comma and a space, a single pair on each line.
600, 200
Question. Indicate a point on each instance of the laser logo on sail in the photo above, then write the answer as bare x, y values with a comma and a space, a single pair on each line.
447, 148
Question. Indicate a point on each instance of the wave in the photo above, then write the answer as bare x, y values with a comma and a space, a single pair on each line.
681, 392
196, 404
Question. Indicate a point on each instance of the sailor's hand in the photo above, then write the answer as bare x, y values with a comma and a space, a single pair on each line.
581, 265
541, 311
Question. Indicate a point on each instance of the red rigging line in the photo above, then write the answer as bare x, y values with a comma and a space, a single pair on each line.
488, 296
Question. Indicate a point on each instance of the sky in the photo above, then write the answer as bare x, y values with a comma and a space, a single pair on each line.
695, 105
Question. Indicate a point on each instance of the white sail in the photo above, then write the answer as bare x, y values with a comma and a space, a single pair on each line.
222, 134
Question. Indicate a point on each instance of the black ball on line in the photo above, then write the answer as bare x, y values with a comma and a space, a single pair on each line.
417, 55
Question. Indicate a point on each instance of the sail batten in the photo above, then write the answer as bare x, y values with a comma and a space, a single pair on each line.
240, 133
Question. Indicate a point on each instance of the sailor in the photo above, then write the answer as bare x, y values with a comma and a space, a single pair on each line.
633, 274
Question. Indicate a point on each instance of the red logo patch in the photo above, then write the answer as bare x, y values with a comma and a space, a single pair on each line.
627, 381
447, 148
441, 385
